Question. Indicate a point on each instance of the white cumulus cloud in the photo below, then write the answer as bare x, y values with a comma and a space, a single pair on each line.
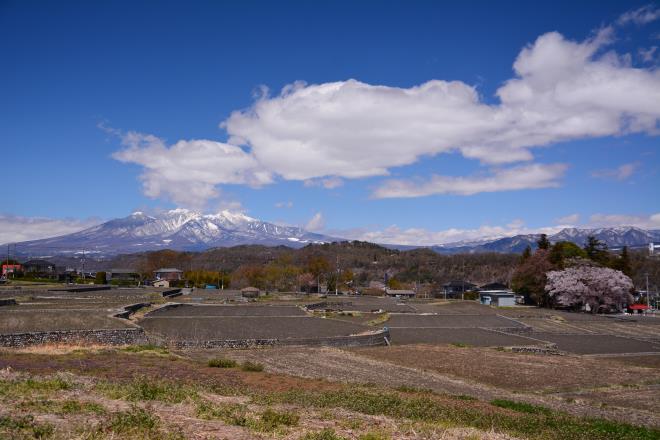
189, 171
322, 133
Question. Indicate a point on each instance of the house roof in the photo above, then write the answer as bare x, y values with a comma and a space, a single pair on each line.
168, 269
457, 284
122, 271
38, 262
497, 293
638, 307
494, 286
400, 292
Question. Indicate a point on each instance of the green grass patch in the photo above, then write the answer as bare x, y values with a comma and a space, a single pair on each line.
134, 423
380, 319
251, 366
143, 389
325, 434
145, 348
270, 420
374, 436
237, 415
24, 427
522, 407
30, 387
222, 363
62, 407
460, 344
538, 424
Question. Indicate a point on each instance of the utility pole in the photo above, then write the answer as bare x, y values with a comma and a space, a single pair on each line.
7, 264
83, 265
337, 277
648, 294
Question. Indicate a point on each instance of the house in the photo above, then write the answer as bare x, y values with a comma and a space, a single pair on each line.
400, 293
169, 274
120, 276
498, 298
457, 288
39, 267
250, 292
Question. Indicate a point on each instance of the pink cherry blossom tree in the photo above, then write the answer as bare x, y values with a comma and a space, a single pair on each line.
597, 287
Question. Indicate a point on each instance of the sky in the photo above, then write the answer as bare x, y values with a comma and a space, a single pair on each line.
396, 122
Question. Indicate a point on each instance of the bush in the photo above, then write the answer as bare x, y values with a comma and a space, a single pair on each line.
222, 363
251, 366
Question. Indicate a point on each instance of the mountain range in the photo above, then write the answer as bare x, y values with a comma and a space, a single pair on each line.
178, 229
613, 237
186, 230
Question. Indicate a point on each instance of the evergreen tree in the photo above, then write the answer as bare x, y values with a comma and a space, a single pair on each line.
100, 278
526, 253
596, 250
623, 262
543, 242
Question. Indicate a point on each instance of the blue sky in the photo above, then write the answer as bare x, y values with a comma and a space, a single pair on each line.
440, 137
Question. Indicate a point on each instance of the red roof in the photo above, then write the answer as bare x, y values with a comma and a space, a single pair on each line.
638, 307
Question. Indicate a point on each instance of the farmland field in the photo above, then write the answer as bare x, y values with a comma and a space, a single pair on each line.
449, 373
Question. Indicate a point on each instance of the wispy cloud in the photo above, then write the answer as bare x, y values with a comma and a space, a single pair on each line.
572, 219
288, 204
620, 173
424, 237
316, 223
644, 15
610, 220
15, 228
648, 55
516, 178
327, 183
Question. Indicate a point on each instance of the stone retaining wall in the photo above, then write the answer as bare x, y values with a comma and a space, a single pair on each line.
172, 293
129, 336
81, 288
8, 302
549, 349
325, 305
366, 340
130, 309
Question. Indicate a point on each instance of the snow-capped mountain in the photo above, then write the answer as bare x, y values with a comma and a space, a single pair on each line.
613, 237
179, 229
